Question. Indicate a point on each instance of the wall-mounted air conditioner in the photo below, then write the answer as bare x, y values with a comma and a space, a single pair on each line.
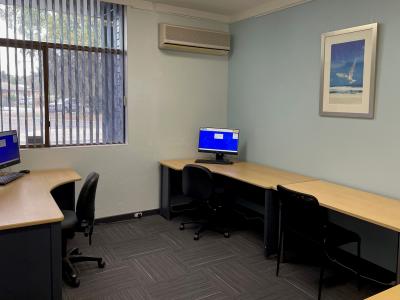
191, 39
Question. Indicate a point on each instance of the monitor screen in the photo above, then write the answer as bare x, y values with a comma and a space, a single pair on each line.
9, 148
219, 140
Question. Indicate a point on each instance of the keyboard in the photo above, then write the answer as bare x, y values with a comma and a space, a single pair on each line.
8, 177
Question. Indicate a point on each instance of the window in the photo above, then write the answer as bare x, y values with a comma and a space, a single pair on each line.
62, 71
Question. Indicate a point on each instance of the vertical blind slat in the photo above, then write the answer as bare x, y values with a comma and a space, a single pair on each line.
103, 73
112, 65
55, 71
89, 36
96, 71
68, 6
62, 79
39, 29
24, 73
32, 74
16, 69
110, 76
119, 73
77, 82
8, 69
83, 65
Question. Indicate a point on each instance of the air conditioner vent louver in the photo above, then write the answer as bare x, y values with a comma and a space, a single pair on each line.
190, 39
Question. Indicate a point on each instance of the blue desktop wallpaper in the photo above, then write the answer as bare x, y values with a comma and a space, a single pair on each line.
208, 142
9, 150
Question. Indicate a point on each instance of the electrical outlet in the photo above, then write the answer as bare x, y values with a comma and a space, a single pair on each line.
138, 215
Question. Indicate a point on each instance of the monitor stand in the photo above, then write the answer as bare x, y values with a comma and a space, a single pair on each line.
219, 160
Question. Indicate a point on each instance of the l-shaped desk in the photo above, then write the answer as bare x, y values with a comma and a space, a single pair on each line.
30, 234
369, 207
263, 177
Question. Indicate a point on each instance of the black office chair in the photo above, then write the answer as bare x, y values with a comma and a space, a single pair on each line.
198, 184
80, 221
302, 216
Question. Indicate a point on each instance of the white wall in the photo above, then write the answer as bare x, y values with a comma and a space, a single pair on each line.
274, 78
170, 95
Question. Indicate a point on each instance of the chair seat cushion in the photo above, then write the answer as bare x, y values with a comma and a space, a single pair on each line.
70, 220
338, 236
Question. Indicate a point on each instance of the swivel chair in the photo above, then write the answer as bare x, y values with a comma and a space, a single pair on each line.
198, 184
81, 220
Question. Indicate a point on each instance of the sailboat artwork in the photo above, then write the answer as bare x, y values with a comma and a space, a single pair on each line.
348, 64
347, 73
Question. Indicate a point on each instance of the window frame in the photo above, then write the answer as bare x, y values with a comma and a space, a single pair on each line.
44, 48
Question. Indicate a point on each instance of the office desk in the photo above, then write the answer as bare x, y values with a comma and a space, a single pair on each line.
263, 177
372, 208
30, 235
390, 294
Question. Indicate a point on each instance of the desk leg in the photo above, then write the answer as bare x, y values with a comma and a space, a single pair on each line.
56, 260
271, 218
165, 192
398, 259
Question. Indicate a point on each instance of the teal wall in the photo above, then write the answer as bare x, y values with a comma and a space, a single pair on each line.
274, 80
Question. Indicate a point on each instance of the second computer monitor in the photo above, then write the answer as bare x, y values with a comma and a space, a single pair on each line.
219, 140
9, 149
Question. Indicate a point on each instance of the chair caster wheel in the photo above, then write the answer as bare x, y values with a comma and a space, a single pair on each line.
181, 227
196, 237
101, 264
227, 234
72, 280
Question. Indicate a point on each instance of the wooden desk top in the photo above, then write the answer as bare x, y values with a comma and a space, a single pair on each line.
27, 201
390, 294
255, 174
362, 205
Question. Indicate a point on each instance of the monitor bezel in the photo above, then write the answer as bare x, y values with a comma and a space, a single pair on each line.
13, 162
216, 151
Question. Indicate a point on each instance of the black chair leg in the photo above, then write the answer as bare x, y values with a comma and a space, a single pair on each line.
69, 273
280, 251
81, 258
182, 225
202, 228
74, 251
359, 265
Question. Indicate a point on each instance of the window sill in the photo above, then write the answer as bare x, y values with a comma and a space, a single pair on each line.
73, 147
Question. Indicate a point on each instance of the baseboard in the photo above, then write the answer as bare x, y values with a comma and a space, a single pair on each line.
128, 216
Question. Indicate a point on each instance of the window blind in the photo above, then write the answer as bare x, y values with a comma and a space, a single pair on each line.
62, 71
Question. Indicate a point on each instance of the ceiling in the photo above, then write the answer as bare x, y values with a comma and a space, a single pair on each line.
224, 7
226, 11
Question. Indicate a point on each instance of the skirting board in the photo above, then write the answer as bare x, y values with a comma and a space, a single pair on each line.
125, 217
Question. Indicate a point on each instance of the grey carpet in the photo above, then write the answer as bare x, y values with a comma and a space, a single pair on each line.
150, 258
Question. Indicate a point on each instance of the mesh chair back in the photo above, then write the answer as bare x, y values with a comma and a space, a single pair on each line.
301, 213
197, 182
85, 206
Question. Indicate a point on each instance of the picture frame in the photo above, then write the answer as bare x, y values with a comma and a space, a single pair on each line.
348, 65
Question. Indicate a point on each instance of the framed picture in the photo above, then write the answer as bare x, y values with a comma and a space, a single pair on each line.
348, 60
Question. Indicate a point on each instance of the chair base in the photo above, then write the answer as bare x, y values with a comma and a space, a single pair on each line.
203, 227
69, 272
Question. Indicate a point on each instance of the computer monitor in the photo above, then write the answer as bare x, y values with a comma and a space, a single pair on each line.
9, 149
219, 141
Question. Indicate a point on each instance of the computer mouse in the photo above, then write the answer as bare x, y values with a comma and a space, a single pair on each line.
25, 171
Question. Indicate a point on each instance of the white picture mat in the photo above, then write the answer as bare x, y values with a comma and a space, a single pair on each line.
363, 107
